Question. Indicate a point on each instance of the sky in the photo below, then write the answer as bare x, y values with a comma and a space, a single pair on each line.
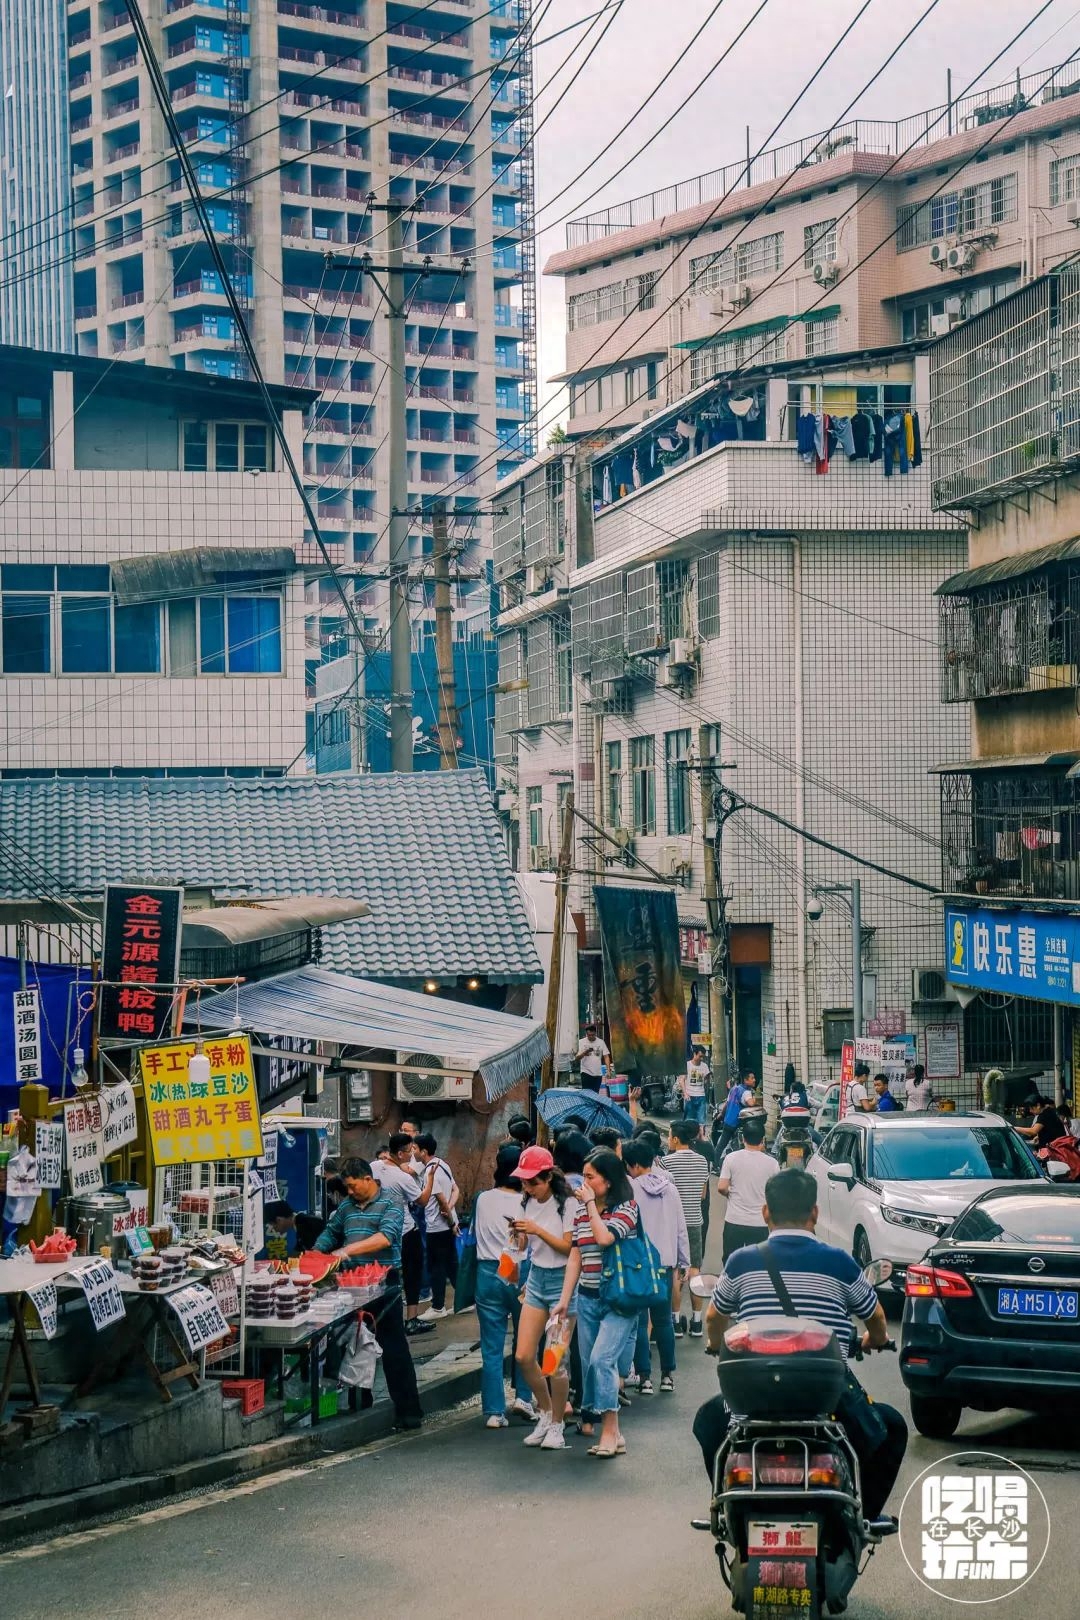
754, 86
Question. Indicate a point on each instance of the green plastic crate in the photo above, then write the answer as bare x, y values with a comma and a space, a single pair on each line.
328, 1403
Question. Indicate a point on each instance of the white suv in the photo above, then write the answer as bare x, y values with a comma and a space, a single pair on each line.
889, 1184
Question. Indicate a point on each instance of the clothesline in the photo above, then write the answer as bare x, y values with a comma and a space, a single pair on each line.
893, 437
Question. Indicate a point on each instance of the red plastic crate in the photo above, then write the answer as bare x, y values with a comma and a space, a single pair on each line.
250, 1392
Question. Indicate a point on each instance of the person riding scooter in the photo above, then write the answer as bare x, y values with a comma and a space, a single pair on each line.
823, 1284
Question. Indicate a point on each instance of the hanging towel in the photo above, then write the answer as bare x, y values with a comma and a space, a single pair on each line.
909, 436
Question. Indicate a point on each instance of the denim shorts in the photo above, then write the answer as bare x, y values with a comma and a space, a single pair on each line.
544, 1286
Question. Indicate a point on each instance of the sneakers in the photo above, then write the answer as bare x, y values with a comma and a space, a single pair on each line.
667, 1385
432, 1315
554, 1440
695, 1327
496, 1422
646, 1387
415, 1326
632, 1381
624, 1400
524, 1409
538, 1435
679, 1324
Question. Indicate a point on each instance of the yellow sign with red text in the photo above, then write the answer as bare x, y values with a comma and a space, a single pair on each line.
195, 1121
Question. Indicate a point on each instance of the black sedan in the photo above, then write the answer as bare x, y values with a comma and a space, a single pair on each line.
992, 1312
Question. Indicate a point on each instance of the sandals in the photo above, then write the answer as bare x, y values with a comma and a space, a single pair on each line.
617, 1450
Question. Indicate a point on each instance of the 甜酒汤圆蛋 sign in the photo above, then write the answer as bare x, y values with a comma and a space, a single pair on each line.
27, 1014
140, 959
196, 1121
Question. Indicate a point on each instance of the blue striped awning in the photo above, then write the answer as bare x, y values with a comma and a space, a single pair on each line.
315, 1005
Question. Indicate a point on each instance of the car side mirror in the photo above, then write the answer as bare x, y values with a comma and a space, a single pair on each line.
842, 1172
1056, 1170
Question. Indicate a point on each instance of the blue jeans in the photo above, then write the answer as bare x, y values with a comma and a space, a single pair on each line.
694, 1108
663, 1331
496, 1302
603, 1339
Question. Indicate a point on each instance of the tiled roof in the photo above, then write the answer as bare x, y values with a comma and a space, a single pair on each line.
425, 851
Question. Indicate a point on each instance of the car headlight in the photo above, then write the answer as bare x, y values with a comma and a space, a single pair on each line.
931, 1224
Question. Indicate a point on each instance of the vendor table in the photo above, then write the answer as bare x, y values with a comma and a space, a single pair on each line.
307, 1335
145, 1312
17, 1278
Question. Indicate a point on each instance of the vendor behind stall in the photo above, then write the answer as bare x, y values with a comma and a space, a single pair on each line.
366, 1227
297, 1231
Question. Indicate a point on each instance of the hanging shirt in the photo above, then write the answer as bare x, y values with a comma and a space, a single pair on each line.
862, 432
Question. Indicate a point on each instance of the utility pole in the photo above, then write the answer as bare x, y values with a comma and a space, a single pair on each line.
856, 957
447, 719
715, 911
401, 705
562, 884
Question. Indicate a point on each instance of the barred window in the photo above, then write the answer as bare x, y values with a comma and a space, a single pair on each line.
1065, 179
956, 213
736, 350
708, 596
564, 680
677, 781
740, 261
822, 337
819, 242
643, 784
611, 302
613, 783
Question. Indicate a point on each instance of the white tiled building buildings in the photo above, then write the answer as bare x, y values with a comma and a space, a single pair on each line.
190, 659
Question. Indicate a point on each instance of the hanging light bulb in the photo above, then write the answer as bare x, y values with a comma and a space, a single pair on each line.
199, 1065
79, 1076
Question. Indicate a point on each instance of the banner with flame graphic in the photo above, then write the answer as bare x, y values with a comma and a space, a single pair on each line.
639, 932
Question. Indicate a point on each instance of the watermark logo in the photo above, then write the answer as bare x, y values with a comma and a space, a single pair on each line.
974, 1527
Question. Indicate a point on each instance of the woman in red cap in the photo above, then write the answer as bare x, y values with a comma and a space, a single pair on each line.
547, 1220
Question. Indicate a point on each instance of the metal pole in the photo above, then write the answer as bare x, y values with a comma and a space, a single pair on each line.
856, 957
549, 1072
712, 835
446, 719
948, 97
20, 946
401, 707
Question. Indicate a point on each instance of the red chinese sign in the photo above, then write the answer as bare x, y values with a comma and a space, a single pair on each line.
694, 942
140, 956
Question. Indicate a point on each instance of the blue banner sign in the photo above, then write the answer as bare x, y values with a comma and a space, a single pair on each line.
1021, 953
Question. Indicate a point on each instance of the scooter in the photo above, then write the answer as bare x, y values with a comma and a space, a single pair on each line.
793, 1144
786, 1507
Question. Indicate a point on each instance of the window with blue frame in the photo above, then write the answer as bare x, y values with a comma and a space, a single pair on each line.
240, 635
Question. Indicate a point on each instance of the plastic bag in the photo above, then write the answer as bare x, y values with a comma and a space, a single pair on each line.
361, 1358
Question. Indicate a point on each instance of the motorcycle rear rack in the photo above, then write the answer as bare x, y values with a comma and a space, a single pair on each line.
766, 1429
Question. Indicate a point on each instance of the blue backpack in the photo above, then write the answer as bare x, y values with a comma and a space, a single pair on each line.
632, 1278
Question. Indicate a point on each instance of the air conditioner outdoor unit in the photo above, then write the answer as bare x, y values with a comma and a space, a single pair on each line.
682, 652
942, 325
536, 579
939, 253
735, 295
1072, 212
929, 984
827, 270
426, 1087
539, 858
962, 256
674, 862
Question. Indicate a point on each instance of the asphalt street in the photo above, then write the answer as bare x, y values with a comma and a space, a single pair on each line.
460, 1522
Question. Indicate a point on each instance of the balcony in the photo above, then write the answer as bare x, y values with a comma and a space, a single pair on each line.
1011, 832
1011, 627
85, 312
411, 31
1006, 391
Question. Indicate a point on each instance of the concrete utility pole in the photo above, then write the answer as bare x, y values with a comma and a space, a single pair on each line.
856, 957
401, 702
715, 912
447, 720
562, 884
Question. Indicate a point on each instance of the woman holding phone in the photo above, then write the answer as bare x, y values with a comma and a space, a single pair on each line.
606, 1214
547, 1220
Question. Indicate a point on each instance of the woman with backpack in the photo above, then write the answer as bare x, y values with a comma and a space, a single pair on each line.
607, 1214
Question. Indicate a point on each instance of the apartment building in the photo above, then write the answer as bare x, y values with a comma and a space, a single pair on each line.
1006, 458
735, 269
303, 121
151, 606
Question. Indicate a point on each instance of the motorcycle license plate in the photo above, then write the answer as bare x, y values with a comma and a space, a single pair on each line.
765, 1536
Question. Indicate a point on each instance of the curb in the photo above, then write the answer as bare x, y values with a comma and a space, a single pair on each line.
351, 1429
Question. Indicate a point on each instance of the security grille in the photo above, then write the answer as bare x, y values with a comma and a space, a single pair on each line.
581, 628
642, 619
1011, 833
507, 538
1019, 636
534, 515
673, 590
708, 596
608, 628
541, 663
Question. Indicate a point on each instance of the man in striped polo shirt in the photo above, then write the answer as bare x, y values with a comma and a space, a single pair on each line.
689, 1170
827, 1286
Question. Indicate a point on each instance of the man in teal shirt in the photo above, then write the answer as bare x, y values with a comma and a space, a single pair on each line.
365, 1228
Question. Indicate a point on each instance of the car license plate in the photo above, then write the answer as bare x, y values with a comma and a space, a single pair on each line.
1049, 1304
787, 1536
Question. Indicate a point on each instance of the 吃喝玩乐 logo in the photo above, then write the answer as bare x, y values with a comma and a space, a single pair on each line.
974, 1528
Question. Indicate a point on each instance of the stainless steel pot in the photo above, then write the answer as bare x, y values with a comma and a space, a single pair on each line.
89, 1220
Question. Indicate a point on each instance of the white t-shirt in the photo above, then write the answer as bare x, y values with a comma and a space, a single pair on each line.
491, 1213
748, 1170
593, 1054
697, 1076
547, 1215
857, 1094
917, 1096
403, 1182
444, 1184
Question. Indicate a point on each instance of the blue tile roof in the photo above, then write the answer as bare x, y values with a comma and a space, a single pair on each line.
425, 851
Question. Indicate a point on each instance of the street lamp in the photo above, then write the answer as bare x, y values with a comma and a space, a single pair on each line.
851, 894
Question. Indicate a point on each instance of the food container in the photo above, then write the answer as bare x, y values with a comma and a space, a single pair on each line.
89, 1220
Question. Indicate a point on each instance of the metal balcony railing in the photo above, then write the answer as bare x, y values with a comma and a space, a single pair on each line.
1020, 636
1011, 833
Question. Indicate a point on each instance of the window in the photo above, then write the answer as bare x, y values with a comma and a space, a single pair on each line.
564, 687
534, 798
676, 752
95, 634
24, 428
708, 596
27, 635
819, 242
758, 347
740, 261
956, 213
822, 336
915, 318
1065, 179
613, 783
611, 302
643, 784
225, 447
240, 635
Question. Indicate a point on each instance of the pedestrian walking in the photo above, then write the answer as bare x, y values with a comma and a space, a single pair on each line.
366, 1227
690, 1173
546, 1217
404, 1174
693, 1086
441, 1223
497, 1295
519, 1130
663, 1222
607, 1214
742, 1182
591, 1056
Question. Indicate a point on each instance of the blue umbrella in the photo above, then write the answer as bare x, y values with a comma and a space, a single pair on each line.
558, 1104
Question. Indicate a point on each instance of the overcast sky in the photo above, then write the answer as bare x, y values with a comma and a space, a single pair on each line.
755, 85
